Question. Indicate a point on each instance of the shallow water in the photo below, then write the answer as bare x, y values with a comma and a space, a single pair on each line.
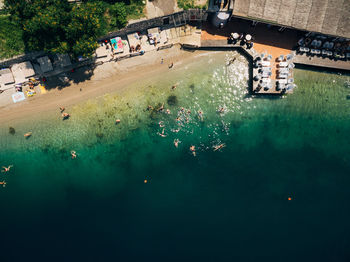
228, 205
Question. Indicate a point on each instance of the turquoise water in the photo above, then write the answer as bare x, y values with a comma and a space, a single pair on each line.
227, 205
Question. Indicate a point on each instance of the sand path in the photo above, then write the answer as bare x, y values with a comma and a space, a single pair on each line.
107, 78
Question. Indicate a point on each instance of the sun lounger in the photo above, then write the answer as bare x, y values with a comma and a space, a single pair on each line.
282, 81
266, 74
290, 87
266, 80
265, 63
283, 64
283, 70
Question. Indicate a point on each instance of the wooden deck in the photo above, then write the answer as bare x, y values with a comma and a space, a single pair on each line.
271, 41
213, 37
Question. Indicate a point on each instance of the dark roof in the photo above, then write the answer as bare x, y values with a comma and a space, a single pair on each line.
330, 17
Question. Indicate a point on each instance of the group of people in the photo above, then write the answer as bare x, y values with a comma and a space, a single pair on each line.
183, 118
5, 169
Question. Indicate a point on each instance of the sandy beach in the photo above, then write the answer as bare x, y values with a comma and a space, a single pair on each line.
107, 78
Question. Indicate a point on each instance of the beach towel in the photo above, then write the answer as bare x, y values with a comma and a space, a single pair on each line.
17, 97
117, 44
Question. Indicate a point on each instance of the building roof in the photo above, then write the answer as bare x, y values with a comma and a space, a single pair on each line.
6, 76
45, 64
25, 68
330, 17
63, 60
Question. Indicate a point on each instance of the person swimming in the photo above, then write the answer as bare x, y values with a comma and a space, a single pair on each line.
173, 87
193, 150
217, 147
167, 112
73, 154
176, 142
161, 124
27, 135
161, 108
3, 183
162, 134
6, 169
200, 115
221, 110
65, 116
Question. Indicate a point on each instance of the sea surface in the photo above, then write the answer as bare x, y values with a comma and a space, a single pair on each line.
279, 190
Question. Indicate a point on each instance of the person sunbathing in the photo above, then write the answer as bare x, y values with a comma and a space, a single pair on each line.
6, 169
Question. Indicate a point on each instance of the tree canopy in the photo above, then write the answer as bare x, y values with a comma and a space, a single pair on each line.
59, 27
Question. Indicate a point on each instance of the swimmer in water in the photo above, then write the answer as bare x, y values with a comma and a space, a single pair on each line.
168, 112
173, 87
73, 154
6, 169
200, 115
189, 111
217, 147
161, 124
193, 150
162, 134
27, 135
3, 183
161, 108
221, 110
176, 142
175, 130
65, 116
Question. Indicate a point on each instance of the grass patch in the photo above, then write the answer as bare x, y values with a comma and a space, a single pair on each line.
190, 4
135, 10
11, 42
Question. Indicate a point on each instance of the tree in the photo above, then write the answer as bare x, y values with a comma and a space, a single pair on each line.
58, 27
118, 14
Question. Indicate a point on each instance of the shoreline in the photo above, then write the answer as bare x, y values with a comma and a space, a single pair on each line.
107, 78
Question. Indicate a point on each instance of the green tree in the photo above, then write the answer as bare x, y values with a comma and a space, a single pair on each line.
118, 15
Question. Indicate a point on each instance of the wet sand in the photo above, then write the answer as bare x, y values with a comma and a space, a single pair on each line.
107, 78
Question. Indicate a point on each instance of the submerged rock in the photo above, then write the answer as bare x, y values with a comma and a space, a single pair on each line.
172, 100
12, 131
